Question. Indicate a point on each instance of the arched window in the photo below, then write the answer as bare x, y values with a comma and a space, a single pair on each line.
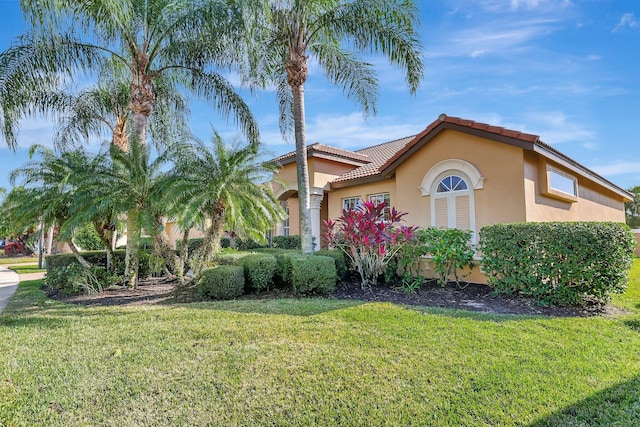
452, 202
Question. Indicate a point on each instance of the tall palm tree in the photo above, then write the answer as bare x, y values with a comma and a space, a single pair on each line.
192, 43
228, 185
332, 32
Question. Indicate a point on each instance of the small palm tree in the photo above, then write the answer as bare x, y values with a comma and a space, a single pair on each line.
50, 182
326, 30
228, 185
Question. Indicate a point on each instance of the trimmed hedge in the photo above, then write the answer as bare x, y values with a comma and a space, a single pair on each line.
230, 257
558, 262
313, 274
246, 244
339, 258
287, 242
99, 259
221, 282
259, 270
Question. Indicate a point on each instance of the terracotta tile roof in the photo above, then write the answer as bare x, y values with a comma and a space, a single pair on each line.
379, 155
470, 124
319, 149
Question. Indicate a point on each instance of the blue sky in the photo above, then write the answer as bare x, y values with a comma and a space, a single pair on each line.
567, 70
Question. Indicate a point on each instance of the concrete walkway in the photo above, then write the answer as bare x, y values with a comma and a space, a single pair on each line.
9, 280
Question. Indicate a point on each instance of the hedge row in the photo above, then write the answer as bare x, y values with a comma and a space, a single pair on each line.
558, 262
304, 274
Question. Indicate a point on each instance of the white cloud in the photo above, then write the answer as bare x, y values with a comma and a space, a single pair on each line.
353, 131
618, 168
627, 20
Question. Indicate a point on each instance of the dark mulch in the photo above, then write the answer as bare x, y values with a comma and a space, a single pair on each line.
473, 297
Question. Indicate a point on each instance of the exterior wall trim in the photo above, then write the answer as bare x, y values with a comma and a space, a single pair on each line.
454, 165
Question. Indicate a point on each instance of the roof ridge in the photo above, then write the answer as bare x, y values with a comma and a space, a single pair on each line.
383, 143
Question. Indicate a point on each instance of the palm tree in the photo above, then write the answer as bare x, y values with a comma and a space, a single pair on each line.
326, 30
182, 41
228, 185
123, 181
50, 182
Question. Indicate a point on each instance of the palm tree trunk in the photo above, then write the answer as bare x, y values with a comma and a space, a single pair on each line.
184, 256
211, 242
104, 233
83, 262
302, 169
50, 239
132, 256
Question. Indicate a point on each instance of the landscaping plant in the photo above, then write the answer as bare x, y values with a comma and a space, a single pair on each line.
450, 250
369, 239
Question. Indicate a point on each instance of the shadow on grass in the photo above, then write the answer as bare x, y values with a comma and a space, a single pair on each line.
633, 324
617, 405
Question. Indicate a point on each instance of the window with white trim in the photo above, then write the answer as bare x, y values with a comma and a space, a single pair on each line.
351, 203
452, 204
286, 221
382, 198
564, 183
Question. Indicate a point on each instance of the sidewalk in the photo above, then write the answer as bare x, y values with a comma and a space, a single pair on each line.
9, 280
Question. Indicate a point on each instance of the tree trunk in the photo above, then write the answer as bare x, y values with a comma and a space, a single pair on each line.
83, 262
162, 248
104, 233
211, 242
184, 256
302, 169
132, 256
50, 238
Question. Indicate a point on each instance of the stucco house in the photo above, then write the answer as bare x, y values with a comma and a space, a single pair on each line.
455, 173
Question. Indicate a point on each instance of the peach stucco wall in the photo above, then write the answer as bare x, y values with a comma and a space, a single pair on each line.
322, 171
362, 191
501, 199
595, 203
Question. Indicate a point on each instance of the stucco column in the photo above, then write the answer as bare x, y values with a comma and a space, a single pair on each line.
316, 201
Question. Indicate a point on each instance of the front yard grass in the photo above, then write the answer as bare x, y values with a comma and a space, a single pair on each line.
26, 269
314, 362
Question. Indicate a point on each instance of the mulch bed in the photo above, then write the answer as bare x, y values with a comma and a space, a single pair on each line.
472, 297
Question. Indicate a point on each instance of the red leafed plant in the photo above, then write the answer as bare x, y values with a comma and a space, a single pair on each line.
368, 238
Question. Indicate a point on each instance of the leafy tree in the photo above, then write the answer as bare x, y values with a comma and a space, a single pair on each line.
632, 208
332, 32
189, 43
229, 185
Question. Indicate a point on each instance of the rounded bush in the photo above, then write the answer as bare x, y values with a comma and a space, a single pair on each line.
259, 270
221, 282
313, 274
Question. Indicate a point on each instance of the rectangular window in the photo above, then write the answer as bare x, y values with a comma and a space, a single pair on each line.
561, 182
557, 183
350, 203
382, 197
286, 221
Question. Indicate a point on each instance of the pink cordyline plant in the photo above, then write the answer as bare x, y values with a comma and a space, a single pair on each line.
368, 238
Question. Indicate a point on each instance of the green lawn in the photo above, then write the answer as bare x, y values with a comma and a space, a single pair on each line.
26, 269
314, 362
17, 260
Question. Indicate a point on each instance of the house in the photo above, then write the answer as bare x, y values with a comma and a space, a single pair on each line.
455, 173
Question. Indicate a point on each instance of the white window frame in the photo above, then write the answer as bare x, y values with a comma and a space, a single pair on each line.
451, 196
356, 201
385, 198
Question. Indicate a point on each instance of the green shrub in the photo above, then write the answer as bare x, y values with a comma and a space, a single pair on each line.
221, 282
148, 264
287, 242
339, 258
558, 263
283, 266
313, 274
229, 257
450, 251
246, 244
225, 242
259, 270
73, 279
87, 238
